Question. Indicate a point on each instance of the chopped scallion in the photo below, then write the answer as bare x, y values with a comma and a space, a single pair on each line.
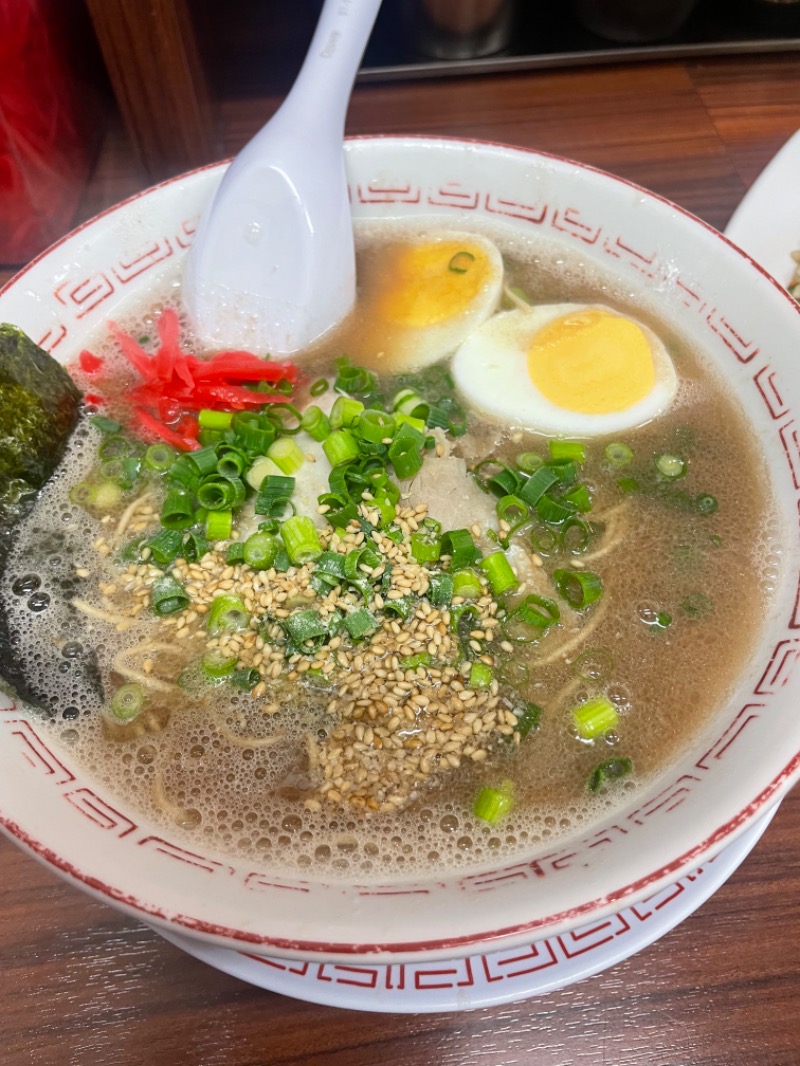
492, 804
167, 596
300, 538
499, 573
578, 587
608, 771
286, 454
595, 717
259, 550
127, 702
227, 614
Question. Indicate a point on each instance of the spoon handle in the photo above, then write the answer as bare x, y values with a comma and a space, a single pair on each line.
321, 92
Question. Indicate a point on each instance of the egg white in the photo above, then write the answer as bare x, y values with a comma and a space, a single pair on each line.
490, 370
394, 346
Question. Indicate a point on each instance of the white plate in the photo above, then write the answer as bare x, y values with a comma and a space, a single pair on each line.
766, 224
485, 980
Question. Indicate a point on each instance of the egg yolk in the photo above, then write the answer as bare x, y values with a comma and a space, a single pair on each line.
591, 362
429, 283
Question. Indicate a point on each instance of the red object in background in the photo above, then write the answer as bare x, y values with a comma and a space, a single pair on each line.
46, 135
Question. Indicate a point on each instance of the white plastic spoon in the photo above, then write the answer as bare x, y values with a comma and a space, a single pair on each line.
272, 265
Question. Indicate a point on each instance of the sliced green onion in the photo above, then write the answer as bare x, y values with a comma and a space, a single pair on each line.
204, 461
537, 485
360, 623
300, 538
529, 715
227, 614
183, 473
167, 596
628, 485
165, 546
499, 573
218, 525
480, 675
608, 771
618, 454
316, 423
345, 412
572, 450
217, 493
670, 466
260, 550
114, 447
461, 262
579, 497
375, 426
425, 547
210, 419
413, 662
578, 587
706, 503
355, 380
466, 584
194, 547
575, 534
246, 678
253, 437
105, 425
406, 401
274, 494
526, 623
235, 553
440, 589
262, 467
406, 457
216, 664
403, 607
492, 804
231, 462
177, 511
340, 446
286, 454
303, 627
503, 482
595, 717
320, 386
159, 457
554, 511
341, 510
387, 507
461, 548
513, 511
285, 417
83, 494
529, 461
127, 702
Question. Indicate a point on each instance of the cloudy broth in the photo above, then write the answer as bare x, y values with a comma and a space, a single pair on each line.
235, 770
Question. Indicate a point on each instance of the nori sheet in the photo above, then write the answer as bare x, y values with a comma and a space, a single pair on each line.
39, 408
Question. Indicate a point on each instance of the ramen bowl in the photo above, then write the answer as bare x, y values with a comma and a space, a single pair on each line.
740, 764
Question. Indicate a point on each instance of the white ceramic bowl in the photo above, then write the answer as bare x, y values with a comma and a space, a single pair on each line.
746, 759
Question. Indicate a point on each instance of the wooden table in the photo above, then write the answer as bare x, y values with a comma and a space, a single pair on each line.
81, 983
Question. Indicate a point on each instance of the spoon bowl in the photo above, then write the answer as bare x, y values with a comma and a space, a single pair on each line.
272, 266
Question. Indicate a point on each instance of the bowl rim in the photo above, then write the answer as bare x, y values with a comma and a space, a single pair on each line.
445, 946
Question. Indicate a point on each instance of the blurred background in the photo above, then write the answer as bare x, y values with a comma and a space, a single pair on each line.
167, 75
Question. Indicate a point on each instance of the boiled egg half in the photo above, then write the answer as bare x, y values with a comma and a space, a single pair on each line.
422, 297
580, 369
